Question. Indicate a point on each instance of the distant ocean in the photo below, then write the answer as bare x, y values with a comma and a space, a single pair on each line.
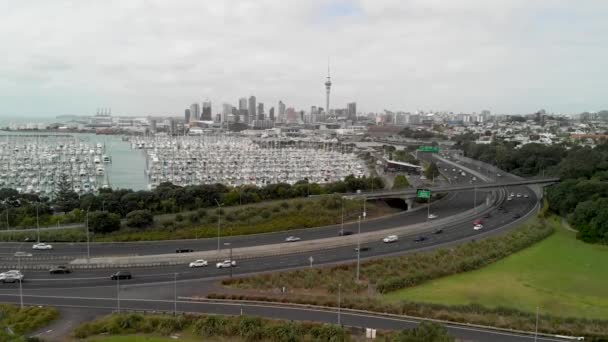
127, 168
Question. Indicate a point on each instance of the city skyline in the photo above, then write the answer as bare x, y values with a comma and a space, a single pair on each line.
154, 59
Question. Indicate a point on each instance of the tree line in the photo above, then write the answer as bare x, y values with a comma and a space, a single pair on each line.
138, 206
581, 196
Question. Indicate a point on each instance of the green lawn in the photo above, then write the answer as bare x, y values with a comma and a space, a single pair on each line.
561, 275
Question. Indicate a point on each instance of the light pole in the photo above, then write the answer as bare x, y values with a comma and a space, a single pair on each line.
219, 223
359, 248
342, 224
87, 231
175, 294
536, 329
21, 293
118, 293
339, 303
475, 197
228, 244
364, 210
37, 224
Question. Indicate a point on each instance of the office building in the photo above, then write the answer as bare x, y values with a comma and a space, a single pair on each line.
206, 114
195, 111
187, 115
291, 115
352, 111
260, 111
282, 112
252, 108
226, 111
271, 114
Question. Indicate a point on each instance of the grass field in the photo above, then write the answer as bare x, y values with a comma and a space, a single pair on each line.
560, 275
149, 338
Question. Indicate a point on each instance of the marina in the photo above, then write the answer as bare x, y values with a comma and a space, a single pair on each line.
236, 160
35, 164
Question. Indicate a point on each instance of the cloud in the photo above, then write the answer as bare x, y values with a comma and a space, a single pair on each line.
156, 57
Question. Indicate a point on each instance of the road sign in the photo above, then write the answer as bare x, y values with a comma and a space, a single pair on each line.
432, 149
423, 193
311, 259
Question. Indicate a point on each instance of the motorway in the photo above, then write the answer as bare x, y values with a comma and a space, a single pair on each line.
153, 287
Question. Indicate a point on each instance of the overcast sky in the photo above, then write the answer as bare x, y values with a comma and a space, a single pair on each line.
156, 57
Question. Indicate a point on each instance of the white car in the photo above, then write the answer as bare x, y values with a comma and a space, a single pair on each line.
390, 238
226, 264
22, 254
198, 263
509, 198
292, 239
478, 227
433, 216
518, 195
11, 276
526, 196
42, 246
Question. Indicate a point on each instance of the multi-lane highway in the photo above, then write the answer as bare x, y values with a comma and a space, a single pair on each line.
151, 286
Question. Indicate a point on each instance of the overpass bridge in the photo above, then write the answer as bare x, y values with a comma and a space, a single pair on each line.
411, 192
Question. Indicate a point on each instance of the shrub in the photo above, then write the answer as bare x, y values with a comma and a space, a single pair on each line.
139, 218
104, 222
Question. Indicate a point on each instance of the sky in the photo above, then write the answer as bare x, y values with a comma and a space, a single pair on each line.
156, 57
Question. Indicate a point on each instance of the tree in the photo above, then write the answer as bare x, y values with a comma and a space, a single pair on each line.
66, 199
424, 332
432, 171
401, 182
139, 218
104, 222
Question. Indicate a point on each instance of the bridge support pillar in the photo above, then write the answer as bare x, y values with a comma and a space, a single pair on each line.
410, 203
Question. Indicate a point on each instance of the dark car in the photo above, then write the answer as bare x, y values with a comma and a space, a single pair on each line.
362, 249
121, 275
487, 215
516, 215
438, 231
184, 250
420, 238
344, 233
59, 270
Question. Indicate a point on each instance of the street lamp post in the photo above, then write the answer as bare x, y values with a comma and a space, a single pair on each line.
219, 223
342, 224
475, 197
37, 224
118, 293
228, 244
339, 303
359, 248
20, 293
175, 294
87, 231
536, 328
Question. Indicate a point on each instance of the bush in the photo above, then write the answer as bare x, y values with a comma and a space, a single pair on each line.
104, 222
139, 218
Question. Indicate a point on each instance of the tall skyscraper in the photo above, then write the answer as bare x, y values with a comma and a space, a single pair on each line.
195, 112
271, 114
327, 89
243, 111
282, 112
187, 115
352, 111
292, 116
226, 110
252, 109
260, 111
206, 115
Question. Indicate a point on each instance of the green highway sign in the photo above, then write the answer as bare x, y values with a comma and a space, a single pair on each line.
423, 193
432, 149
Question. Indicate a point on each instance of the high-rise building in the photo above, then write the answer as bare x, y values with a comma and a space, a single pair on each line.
226, 110
187, 115
243, 111
252, 109
314, 114
292, 116
195, 112
352, 111
271, 114
206, 115
260, 111
282, 112
327, 88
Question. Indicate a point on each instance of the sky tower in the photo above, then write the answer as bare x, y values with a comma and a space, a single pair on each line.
327, 89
